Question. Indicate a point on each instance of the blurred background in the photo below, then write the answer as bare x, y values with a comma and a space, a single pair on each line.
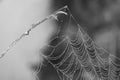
99, 18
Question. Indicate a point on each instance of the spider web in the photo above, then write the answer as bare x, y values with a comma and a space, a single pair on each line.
74, 55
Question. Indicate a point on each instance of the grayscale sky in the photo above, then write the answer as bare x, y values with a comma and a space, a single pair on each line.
16, 16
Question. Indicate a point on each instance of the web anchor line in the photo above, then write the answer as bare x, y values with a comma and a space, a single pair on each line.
33, 26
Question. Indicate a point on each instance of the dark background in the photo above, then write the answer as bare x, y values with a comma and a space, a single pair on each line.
99, 18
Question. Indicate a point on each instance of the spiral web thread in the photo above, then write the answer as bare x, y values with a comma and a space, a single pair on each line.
75, 56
